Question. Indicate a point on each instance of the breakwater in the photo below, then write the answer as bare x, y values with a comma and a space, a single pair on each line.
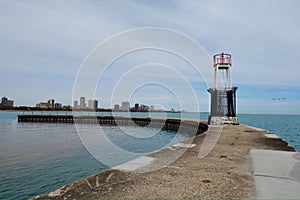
191, 177
194, 126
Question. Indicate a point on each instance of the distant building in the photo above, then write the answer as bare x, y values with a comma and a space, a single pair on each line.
82, 104
144, 108
136, 107
42, 105
116, 107
75, 105
67, 108
93, 104
152, 108
57, 106
125, 106
51, 103
6, 103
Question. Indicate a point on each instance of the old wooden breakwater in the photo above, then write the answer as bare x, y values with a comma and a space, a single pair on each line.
193, 126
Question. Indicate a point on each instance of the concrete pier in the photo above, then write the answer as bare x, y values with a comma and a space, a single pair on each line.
194, 126
227, 172
276, 174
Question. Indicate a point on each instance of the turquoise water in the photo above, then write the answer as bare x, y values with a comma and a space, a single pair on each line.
39, 158
285, 126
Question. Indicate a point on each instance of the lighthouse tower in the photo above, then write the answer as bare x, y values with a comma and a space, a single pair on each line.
223, 95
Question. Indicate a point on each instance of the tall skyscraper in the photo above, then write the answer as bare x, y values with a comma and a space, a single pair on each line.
75, 105
116, 107
136, 107
125, 106
6, 103
51, 103
82, 103
93, 104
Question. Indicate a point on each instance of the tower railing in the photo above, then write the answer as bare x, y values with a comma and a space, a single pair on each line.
222, 59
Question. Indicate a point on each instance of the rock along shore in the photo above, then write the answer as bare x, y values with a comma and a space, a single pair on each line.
222, 174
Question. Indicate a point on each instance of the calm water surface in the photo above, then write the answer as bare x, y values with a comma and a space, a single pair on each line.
39, 158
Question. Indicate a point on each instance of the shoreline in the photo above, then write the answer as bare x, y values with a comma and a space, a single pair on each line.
223, 169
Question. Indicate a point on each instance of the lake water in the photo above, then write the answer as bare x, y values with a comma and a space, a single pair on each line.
39, 158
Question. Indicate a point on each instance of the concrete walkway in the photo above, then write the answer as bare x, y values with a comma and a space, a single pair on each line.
135, 164
276, 174
212, 135
220, 172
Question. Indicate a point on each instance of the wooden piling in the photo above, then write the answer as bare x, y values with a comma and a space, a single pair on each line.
164, 124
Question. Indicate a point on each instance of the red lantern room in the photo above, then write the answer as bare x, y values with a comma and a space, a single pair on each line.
222, 59
222, 65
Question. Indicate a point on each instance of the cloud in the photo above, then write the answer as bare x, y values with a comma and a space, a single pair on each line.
50, 36
263, 36
50, 39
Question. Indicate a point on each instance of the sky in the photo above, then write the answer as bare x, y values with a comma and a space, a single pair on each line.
44, 45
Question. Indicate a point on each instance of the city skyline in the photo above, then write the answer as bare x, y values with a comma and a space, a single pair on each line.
51, 104
42, 57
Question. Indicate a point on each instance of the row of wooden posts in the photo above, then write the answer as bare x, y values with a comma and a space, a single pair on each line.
165, 124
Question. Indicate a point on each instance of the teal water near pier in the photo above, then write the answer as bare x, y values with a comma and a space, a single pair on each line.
38, 158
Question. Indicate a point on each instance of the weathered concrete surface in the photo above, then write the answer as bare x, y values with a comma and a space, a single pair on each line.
135, 164
222, 174
276, 174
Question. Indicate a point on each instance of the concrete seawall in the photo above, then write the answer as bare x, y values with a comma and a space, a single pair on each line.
194, 126
230, 171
